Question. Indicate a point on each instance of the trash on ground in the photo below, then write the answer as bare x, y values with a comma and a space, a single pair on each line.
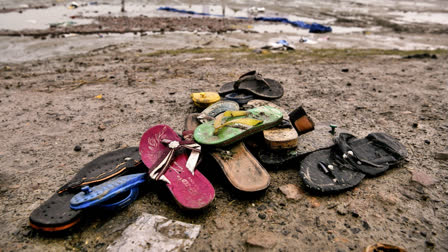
313, 27
255, 10
279, 45
421, 56
62, 24
156, 233
307, 41
73, 5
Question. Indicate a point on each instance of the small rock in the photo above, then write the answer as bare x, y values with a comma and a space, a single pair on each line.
77, 148
387, 198
101, 139
354, 214
427, 142
317, 221
262, 216
365, 225
90, 154
415, 125
355, 230
441, 156
285, 232
349, 84
341, 210
219, 223
423, 178
266, 240
429, 243
101, 127
314, 202
345, 70
291, 191
261, 207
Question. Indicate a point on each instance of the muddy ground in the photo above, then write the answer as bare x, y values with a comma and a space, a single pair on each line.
49, 106
357, 81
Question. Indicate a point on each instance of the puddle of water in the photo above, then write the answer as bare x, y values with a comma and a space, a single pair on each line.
41, 18
37, 18
421, 17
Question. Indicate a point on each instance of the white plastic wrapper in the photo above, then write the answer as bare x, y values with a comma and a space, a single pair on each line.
156, 233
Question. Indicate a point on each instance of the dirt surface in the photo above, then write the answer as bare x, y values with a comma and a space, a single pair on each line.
49, 106
104, 24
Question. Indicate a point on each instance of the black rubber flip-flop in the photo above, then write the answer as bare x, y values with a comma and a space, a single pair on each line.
324, 171
55, 214
373, 154
254, 83
346, 163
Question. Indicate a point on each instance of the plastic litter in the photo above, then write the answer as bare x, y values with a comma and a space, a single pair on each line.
279, 45
156, 233
313, 28
73, 5
255, 10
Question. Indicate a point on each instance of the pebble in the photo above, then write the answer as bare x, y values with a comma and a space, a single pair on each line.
423, 178
314, 202
285, 232
77, 148
262, 216
101, 139
266, 240
427, 142
345, 70
340, 209
291, 191
365, 225
355, 230
261, 207
101, 127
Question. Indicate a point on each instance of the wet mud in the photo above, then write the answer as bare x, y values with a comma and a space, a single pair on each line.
49, 106
67, 100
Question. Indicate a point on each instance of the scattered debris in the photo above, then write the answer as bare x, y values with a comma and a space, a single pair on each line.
307, 41
73, 5
279, 45
255, 10
421, 56
156, 233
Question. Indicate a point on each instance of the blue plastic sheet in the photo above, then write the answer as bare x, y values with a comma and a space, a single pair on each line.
313, 28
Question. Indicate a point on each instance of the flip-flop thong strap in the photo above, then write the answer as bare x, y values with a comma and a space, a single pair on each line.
162, 166
252, 75
218, 124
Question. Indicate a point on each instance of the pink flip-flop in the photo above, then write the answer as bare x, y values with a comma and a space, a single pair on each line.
164, 154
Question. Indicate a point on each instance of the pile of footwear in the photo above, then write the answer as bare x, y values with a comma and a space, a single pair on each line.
243, 132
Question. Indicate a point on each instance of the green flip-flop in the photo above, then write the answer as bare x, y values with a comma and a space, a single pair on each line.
232, 126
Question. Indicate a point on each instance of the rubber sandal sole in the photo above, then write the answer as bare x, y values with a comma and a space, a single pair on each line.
55, 214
